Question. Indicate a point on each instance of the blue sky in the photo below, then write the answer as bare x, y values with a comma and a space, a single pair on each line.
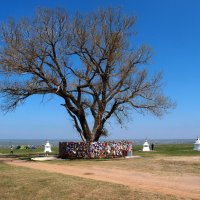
170, 27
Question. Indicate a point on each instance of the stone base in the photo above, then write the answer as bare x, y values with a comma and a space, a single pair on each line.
132, 156
44, 158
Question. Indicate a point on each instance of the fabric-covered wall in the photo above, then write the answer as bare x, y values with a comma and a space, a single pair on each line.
91, 150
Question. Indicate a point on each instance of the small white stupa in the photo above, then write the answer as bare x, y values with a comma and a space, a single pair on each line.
146, 146
197, 145
47, 147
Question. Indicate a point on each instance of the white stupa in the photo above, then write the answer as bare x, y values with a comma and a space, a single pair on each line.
47, 147
197, 145
146, 146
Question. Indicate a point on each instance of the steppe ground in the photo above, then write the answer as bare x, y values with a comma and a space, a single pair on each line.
143, 177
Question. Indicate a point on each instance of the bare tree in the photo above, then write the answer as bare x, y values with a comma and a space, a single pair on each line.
89, 61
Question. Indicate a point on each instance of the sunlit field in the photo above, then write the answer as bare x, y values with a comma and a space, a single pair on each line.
23, 183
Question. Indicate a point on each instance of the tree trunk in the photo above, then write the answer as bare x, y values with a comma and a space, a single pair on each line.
85, 128
99, 132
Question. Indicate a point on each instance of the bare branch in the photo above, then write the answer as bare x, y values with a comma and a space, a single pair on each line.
89, 61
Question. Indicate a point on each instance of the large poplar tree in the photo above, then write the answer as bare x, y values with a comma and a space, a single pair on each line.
90, 61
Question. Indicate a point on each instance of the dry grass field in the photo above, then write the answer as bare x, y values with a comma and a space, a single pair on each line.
167, 173
20, 183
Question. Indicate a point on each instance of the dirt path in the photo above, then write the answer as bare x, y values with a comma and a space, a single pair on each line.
186, 186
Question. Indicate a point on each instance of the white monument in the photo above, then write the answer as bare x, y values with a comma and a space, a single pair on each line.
146, 146
197, 145
47, 147
130, 148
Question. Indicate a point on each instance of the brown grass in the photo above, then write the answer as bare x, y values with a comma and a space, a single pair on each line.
22, 183
156, 165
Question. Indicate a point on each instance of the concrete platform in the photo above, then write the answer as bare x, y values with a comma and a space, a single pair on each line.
46, 158
132, 156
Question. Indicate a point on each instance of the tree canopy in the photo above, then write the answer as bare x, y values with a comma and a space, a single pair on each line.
90, 61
